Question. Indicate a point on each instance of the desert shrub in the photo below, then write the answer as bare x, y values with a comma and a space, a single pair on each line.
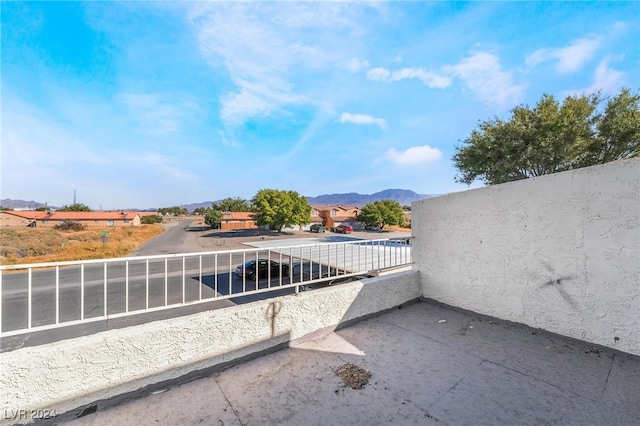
37, 251
150, 220
70, 226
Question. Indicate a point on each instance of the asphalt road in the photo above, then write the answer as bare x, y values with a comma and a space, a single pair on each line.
172, 240
106, 290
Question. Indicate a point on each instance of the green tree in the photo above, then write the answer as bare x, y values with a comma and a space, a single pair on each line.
231, 205
173, 211
213, 218
381, 213
200, 211
77, 207
5, 208
280, 209
551, 137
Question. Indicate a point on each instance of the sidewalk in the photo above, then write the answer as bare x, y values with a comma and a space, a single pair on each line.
429, 364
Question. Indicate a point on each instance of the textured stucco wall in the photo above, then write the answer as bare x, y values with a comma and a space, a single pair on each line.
559, 252
65, 375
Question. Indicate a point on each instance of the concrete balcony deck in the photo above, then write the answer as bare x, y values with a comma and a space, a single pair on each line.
429, 364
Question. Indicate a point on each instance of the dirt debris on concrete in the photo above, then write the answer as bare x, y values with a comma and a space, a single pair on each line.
352, 375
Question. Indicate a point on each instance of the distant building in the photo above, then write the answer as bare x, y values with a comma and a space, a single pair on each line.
237, 220
332, 216
18, 219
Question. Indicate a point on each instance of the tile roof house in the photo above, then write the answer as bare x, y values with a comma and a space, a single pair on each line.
331, 216
237, 220
16, 219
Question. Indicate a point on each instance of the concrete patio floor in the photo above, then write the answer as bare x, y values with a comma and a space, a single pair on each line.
429, 364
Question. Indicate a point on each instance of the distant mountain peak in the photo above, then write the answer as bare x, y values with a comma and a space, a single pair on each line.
21, 204
403, 196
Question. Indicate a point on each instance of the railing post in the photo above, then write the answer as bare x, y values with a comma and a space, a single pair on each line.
29, 296
231, 272
105, 289
126, 286
147, 285
200, 278
215, 275
166, 280
184, 283
82, 292
57, 294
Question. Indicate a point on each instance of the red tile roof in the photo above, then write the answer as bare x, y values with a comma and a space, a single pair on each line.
27, 214
39, 215
238, 216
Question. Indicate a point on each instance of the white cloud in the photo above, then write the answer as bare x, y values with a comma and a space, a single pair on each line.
568, 59
263, 46
155, 113
164, 166
414, 155
237, 107
483, 74
347, 117
606, 79
428, 78
378, 74
356, 65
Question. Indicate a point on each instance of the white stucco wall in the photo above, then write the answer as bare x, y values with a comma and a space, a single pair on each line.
559, 252
65, 375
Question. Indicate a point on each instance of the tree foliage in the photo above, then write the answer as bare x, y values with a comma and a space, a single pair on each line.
280, 209
213, 218
77, 207
231, 205
381, 213
199, 211
551, 137
173, 211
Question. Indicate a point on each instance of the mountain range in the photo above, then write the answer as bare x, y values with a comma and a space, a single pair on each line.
22, 204
402, 196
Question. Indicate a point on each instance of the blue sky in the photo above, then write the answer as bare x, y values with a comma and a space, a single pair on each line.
152, 104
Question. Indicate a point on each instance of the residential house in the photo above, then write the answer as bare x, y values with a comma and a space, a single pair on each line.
332, 216
16, 219
237, 220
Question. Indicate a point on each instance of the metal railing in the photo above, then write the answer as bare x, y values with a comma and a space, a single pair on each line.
42, 296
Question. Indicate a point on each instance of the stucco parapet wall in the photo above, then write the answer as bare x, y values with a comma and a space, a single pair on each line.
559, 252
69, 374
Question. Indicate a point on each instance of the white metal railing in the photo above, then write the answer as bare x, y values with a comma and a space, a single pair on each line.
42, 296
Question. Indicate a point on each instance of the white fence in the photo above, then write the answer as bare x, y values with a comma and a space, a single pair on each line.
48, 295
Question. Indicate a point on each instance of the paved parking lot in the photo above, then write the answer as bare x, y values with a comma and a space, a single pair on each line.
200, 239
